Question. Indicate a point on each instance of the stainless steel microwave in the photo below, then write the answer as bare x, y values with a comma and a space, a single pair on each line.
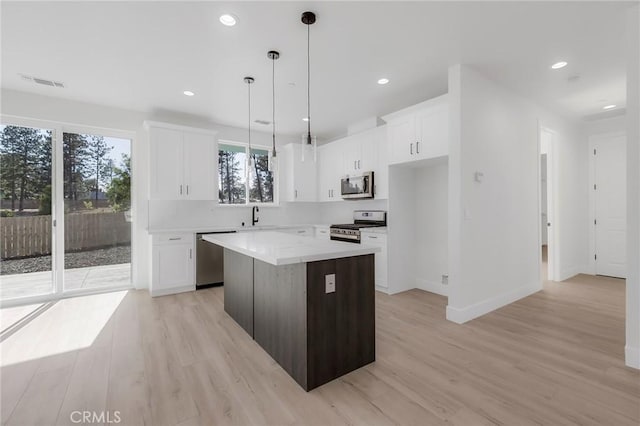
360, 186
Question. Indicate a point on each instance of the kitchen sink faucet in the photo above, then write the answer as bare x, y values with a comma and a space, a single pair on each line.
254, 215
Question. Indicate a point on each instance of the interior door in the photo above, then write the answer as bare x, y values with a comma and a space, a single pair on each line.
610, 206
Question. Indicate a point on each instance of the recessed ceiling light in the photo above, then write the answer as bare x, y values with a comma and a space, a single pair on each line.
305, 119
383, 81
228, 20
609, 106
559, 65
188, 93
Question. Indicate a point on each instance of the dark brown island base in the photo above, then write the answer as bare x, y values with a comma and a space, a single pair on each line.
316, 319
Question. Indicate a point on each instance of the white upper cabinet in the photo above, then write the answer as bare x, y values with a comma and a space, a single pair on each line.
183, 163
360, 152
432, 131
329, 172
351, 156
419, 132
298, 181
166, 169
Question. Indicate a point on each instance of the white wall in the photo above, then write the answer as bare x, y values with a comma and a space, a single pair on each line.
402, 222
494, 224
431, 237
607, 125
417, 238
632, 349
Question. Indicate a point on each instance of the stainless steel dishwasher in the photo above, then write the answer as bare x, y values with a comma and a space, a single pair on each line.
209, 261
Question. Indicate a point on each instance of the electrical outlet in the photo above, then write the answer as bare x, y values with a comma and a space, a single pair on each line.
445, 279
330, 283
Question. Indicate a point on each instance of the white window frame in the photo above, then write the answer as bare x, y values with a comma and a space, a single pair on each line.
276, 191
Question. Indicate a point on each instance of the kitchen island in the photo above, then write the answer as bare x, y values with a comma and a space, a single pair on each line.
308, 303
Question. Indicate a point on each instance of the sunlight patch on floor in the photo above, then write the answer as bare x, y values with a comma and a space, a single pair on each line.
67, 325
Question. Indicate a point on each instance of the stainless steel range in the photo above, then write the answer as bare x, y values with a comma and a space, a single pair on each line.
350, 232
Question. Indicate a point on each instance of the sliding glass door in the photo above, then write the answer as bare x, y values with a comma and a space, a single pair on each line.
97, 219
27, 244
65, 218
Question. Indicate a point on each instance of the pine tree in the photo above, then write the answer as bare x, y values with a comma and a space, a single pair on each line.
98, 164
119, 190
74, 158
20, 161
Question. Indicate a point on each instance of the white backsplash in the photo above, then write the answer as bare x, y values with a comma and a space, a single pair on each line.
342, 211
201, 214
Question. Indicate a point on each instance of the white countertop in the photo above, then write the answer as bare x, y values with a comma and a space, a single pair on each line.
376, 230
279, 248
202, 229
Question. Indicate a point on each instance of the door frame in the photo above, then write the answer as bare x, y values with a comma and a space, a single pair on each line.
593, 140
57, 207
552, 216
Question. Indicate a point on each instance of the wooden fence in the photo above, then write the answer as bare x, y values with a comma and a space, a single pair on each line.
30, 236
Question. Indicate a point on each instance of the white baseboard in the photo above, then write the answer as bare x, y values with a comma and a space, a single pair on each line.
462, 315
632, 356
432, 287
382, 289
567, 273
173, 290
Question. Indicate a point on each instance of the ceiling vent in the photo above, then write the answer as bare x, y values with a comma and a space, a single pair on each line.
42, 81
263, 122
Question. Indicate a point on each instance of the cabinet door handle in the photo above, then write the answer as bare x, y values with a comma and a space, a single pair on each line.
295, 195
190, 252
411, 148
358, 164
417, 147
355, 164
301, 232
187, 189
175, 238
371, 236
180, 189
329, 193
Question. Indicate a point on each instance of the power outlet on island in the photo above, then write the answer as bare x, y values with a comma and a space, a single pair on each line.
330, 283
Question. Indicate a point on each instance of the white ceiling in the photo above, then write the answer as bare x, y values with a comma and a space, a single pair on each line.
143, 55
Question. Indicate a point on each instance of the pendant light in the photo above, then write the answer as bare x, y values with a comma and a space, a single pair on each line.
308, 18
273, 55
249, 81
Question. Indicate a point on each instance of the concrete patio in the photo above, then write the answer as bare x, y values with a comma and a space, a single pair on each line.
38, 283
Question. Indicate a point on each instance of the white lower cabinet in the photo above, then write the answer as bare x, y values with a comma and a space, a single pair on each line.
172, 264
378, 240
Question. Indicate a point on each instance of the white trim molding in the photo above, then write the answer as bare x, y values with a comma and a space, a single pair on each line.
432, 287
462, 315
632, 356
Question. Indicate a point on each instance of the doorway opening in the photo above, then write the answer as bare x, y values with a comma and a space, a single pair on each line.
547, 246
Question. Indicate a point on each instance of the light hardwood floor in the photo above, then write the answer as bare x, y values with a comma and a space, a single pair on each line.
554, 358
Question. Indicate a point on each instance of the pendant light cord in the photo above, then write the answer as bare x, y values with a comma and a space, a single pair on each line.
249, 115
273, 105
308, 86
